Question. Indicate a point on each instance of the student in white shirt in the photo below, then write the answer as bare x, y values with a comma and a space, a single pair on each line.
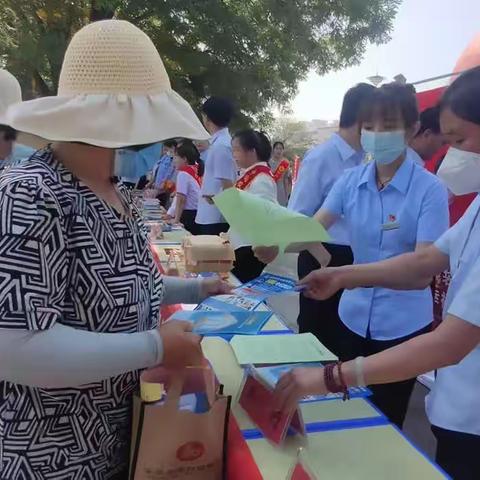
189, 167
220, 170
252, 151
453, 406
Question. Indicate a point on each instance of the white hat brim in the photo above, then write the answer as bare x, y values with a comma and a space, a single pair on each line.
109, 121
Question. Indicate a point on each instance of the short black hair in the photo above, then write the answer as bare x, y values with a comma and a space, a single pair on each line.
352, 103
218, 110
187, 149
255, 140
462, 97
170, 143
279, 143
430, 120
391, 98
9, 133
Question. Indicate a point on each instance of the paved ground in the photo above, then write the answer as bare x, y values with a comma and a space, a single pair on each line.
416, 427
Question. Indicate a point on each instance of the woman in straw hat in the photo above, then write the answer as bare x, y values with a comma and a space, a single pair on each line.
11, 152
79, 294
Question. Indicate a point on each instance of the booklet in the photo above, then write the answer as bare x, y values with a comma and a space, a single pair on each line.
272, 374
229, 303
279, 349
267, 285
219, 322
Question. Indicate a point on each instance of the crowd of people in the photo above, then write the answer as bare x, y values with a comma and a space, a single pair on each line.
78, 280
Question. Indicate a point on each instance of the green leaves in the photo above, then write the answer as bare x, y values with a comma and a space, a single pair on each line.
254, 51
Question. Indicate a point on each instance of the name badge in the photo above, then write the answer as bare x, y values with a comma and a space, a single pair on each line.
390, 226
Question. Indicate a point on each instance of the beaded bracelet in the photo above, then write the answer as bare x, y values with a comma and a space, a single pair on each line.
331, 383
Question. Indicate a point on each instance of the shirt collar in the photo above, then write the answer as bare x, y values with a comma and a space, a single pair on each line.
401, 179
265, 164
345, 150
218, 134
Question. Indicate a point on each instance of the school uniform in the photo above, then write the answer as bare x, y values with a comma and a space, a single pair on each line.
257, 180
188, 185
411, 209
453, 406
322, 166
219, 165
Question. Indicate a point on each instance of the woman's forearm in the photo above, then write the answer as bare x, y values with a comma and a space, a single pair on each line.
63, 356
410, 271
448, 345
180, 206
182, 290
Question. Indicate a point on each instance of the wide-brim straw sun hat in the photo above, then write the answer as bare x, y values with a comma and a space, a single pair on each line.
11, 94
113, 92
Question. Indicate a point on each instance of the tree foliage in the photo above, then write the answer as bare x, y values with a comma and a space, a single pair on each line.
254, 51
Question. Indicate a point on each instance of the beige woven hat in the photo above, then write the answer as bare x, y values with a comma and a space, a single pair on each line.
113, 92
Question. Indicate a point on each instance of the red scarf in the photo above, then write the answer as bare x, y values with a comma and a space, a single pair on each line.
192, 170
244, 182
283, 166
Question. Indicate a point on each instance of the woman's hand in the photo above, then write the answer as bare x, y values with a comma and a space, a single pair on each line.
296, 384
322, 284
181, 347
215, 286
266, 254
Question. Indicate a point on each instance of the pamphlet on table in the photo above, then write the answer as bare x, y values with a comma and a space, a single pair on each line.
279, 349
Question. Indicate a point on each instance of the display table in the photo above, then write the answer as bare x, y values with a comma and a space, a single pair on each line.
345, 440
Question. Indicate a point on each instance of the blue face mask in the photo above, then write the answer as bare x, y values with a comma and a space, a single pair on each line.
384, 147
133, 164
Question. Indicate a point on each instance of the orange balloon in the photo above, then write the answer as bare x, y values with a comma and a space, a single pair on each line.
470, 57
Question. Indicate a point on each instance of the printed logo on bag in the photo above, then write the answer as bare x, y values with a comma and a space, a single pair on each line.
190, 451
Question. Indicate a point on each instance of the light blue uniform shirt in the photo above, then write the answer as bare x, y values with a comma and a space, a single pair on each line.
164, 171
219, 165
322, 166
19, 154
454, 402
411, 209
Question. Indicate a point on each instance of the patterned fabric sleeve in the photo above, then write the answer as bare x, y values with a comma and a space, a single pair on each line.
33, 256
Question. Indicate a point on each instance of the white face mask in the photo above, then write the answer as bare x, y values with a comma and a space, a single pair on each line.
460, 170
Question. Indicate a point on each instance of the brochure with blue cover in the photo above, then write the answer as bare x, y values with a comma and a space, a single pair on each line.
220, 322
271, 375
267, 285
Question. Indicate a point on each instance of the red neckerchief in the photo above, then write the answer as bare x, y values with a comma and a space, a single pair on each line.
192, 170
244, 182
283, 166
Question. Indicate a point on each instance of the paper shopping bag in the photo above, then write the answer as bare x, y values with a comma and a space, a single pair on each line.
171, 442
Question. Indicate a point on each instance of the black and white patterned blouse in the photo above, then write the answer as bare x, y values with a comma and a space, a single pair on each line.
68, 257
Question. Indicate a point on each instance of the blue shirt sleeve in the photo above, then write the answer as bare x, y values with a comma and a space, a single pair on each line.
308, 194
466, 303
434, 215
222, 160
334, 201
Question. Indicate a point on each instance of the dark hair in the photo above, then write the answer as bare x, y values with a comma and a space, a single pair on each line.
9, 133
186, 149
254, 140
430, 120
391, 98
171, 143
462, 97
218, 110
352, 103
279, 143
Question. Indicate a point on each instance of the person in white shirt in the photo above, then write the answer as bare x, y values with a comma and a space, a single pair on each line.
220, 170
252, 151
453, 406
190, 169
